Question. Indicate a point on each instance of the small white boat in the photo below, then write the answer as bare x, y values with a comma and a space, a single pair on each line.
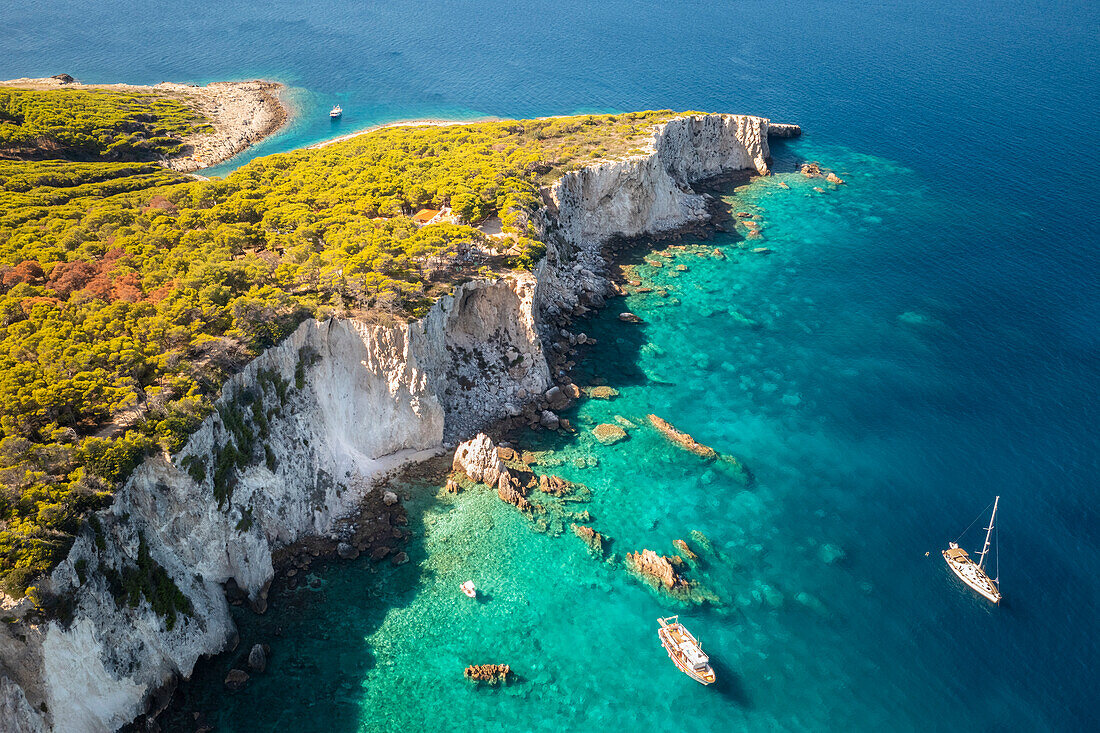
469, 589
336, 112
973, 573
684, 650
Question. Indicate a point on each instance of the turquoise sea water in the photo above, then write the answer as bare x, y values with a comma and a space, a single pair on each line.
919, 340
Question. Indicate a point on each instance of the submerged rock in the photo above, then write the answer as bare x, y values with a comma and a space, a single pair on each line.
629, 318
236, 679
738, 469
834, 179
491, 673
685, 551
591, 537
656, 569
509, 490
609, 434
811, 169
628, 424
602, 392
831, 554
683, 440
555, 485
257, 658
701, 540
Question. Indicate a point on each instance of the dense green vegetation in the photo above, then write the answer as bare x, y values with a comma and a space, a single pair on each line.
128, 293
146, 578
93, 124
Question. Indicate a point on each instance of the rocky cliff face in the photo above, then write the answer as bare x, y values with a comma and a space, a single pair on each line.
309, 426
651, 192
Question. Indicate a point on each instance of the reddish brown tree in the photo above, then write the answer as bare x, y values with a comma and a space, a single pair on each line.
67, 277
27, 271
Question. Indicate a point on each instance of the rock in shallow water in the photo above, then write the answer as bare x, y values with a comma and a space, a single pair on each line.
491, 673
478, 459
609, 434
549, 420
602, 392
591, 537
257, 658
236, 679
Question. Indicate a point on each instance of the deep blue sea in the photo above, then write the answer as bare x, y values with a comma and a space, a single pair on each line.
919, 340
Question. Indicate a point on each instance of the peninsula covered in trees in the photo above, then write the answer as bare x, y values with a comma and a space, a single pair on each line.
129, 292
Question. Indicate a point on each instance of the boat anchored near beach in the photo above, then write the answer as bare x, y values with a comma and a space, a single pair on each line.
684, 650
973, 573
336, 112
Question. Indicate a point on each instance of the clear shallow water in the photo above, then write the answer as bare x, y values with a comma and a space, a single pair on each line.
968, 135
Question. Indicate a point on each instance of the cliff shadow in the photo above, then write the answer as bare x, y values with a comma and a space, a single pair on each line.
322, 611
634, 264
785, 157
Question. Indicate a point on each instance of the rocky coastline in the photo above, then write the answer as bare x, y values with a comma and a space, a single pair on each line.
371, 400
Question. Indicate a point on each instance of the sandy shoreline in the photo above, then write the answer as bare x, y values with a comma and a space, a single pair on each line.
241, 113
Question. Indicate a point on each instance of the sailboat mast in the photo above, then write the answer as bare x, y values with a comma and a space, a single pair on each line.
988, 531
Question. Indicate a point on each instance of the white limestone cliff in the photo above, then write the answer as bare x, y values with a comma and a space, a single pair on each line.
651, 192
360, 401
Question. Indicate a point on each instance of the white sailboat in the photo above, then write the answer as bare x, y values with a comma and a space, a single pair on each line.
973, 573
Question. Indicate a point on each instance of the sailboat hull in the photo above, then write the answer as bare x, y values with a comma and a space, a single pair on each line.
970, 573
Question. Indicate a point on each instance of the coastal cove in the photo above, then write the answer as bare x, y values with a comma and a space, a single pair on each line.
337, 405
808, 585
865, 358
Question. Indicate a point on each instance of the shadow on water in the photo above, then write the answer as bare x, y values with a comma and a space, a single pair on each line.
623, 366
317, 633
729, 685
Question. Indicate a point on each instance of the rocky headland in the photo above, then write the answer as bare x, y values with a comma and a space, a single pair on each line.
346, 404
242, 113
